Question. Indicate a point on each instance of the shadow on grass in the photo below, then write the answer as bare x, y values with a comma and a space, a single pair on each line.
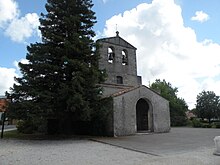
14, 134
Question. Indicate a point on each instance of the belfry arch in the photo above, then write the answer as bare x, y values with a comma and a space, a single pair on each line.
144, 121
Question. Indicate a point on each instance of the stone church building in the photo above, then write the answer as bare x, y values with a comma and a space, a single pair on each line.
135, 107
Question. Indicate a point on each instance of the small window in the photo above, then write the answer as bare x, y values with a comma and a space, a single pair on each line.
111, 55
119, 80
124, 57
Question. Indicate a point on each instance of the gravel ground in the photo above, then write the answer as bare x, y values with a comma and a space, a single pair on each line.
67, 152
85, 152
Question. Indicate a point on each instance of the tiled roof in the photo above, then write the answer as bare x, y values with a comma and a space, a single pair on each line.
125, 91
3, 102
131, 89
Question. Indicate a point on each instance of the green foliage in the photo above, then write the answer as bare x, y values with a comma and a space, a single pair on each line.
217, 124
207, 105
206, 125
25, 127
178, 121
196, 123
62, 73
101, 116
189, 123
178, 106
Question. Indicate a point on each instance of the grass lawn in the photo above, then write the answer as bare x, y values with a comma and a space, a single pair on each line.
14, 134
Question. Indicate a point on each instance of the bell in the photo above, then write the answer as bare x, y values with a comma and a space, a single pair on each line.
111, 56
124, 60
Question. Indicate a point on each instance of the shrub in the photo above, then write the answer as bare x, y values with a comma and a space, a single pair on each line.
178, 121
196, 123
204, 121
206, 125
189, 123
25, 126
40, 125
217, 124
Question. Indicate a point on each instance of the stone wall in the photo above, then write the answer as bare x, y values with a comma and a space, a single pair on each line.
123, 85
127, 72
125, 111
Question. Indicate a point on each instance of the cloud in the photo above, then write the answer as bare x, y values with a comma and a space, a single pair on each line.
6, 74
14, 26
166, 49
200, 16
21, 29
23, 61
8, 11
104, 1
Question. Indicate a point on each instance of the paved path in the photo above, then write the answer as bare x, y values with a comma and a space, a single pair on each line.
8, 128
183, 146
179, 140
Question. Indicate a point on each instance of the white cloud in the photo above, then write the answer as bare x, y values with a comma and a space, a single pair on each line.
104, 1
23, 61
21, 29
166, 49
8, 11
14, 26
200, 16
7, 75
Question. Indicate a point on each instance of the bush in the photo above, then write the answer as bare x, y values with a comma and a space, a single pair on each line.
204, 121
196, 123
206, 125
40, 125
25, 126
217, 124
178, 121
189, 123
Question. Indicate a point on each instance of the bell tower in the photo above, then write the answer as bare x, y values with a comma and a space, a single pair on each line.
118, 58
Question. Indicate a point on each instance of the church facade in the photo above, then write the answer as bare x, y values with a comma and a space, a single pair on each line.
135, 107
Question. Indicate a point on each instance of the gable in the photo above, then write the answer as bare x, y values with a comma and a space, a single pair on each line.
141, 87
117, 41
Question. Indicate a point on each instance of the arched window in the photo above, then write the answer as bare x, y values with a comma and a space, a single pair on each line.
124, 57
119, 80
111, 55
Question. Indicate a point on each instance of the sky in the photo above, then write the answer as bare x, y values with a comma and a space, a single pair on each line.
176, 40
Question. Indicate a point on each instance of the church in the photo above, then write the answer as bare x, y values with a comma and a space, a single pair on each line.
135, 107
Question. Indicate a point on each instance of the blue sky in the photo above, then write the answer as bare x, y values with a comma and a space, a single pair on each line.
176, 40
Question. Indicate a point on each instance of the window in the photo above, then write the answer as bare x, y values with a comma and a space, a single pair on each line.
124, 57
119, 80
111, 55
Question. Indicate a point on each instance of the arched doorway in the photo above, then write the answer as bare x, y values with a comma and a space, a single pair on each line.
142, 109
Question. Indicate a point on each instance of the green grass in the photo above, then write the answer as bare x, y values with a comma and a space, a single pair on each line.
12, 134
38, 136
16, 135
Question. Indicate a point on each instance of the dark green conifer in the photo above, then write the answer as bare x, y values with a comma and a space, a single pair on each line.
60, 80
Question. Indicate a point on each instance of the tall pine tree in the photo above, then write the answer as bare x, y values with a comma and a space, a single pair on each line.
60, 80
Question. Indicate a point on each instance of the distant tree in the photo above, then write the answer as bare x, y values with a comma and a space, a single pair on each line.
207, 105
60, 80
178, 106
194, 112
